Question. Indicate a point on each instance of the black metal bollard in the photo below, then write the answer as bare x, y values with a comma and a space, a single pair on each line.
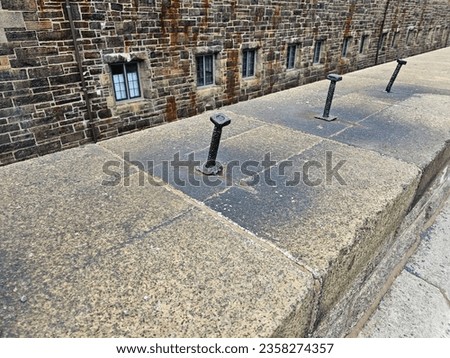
326, 112
213, 167
400, 63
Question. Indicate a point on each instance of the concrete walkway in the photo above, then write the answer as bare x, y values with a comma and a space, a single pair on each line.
296, 238
418, 303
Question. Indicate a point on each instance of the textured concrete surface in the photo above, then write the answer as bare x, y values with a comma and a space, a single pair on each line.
87, 259
92, 245
418, 303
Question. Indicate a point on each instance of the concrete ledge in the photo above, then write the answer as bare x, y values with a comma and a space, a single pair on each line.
94, 244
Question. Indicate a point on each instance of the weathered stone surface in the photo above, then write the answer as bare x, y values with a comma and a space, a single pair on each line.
411, 309
133, 254
166, 39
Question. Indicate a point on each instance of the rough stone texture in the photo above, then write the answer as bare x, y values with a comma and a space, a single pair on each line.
133, 261
412, 309
48, 112
430, 263
354, 308
418, 303
328, 239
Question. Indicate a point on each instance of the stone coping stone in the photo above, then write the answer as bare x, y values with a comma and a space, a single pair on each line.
82, 259
330, 228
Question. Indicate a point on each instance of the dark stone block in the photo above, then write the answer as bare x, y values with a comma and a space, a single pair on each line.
37, 98
4, 139
43, 133
26, 62
25, 153
33, 52
20, 35
17, 145
21, 5
39, 82
5, 103
116, 41
61, 59
44, 72
49, 147
117, 7
13, 75
74, 137
66, 79
104, 113
54, 35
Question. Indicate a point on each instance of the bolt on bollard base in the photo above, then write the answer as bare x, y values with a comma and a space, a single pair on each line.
326, 112
328, 119
215, 169
212, 166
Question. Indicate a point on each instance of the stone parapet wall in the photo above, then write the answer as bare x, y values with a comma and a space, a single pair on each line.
42, 104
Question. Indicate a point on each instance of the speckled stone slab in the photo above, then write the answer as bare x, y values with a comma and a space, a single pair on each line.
82, 259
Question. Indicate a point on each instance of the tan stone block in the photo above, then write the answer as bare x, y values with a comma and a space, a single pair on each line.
39, 25
4, 63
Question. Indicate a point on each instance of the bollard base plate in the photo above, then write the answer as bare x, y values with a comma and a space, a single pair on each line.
328, 119
210, 170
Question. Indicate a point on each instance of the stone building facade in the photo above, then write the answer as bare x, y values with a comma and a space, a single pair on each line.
73, 72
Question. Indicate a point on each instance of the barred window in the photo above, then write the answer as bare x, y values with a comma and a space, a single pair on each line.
205, 70
126, 81
317, 51
248, 63
363, 43
346, 45
291, 53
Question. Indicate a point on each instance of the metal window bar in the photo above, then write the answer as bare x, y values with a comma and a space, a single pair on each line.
362, 45
291, 50
248, 63
209, 69
205, 70
317, 51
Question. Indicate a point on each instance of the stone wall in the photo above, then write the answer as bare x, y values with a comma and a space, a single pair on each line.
43, 107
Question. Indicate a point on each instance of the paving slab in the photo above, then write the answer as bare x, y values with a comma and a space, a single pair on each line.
432, 260
93, 260
295, 108
162, 143
241, 146
331, 228
411, 309
414, 131
418, 303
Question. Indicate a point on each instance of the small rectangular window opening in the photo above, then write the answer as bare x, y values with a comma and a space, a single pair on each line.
205, 70
345, 46
248, 63
317, 51
383, 41
394, 39
126, 81
291, 53
408, 37
363, 44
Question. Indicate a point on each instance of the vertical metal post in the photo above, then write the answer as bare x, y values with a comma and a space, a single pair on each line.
326, 112
400, 63
212, 166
